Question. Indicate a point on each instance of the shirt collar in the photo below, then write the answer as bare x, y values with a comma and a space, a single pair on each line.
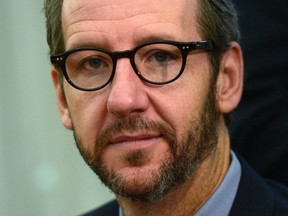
221, 201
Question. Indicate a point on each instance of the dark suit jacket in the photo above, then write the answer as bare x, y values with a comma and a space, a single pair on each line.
255, 197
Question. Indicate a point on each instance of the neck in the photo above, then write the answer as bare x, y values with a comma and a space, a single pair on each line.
188, 198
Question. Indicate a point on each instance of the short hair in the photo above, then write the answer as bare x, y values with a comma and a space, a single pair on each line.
217, 20
53, 14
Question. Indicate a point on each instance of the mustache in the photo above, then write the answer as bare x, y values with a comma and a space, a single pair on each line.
133, 124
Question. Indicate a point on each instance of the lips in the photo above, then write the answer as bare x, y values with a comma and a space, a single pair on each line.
134, 139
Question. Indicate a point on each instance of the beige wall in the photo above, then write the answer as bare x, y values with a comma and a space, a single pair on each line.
41, 172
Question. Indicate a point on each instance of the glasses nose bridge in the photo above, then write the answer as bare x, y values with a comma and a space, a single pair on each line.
123, 54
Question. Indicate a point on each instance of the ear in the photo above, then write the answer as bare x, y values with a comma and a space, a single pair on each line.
61, 100
230, 79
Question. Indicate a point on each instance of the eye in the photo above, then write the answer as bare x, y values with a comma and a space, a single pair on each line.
93, 63
94, 66
158, 58
161, 56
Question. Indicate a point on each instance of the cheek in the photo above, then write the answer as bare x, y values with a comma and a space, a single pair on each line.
87, 111
175, 111
182, 105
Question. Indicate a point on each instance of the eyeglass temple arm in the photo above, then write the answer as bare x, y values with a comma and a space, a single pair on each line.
204, 45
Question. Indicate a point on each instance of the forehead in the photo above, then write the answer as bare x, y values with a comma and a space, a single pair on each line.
123, 20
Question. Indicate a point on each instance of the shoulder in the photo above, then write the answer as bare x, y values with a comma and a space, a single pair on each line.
280, 193
257, 196
111, 208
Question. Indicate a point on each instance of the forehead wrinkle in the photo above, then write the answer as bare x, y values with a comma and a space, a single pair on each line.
96, 4
74, 20
97, 26
88, 41
88, 10
114, 19
140, 23
97, 20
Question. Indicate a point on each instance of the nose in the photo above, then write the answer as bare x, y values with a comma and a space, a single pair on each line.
128, 93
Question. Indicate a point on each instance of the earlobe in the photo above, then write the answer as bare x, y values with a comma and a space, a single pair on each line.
61, 100
230, 79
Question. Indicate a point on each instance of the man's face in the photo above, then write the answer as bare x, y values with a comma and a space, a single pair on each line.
140, 139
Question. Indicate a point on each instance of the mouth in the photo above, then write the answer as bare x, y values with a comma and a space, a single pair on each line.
135, 140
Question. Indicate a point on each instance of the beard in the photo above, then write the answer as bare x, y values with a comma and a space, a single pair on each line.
185, 155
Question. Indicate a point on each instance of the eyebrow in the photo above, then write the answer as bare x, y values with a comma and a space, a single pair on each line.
106, 45
154, 37
91, 44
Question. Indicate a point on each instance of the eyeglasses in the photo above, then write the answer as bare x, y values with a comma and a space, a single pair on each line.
157, 62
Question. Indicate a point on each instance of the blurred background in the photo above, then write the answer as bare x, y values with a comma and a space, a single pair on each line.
41, 171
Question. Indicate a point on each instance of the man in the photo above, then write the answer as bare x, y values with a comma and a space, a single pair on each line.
146, 90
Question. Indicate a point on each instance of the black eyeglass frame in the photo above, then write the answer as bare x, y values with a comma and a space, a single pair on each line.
184, 47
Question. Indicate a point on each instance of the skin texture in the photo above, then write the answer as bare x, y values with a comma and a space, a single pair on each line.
132, 152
